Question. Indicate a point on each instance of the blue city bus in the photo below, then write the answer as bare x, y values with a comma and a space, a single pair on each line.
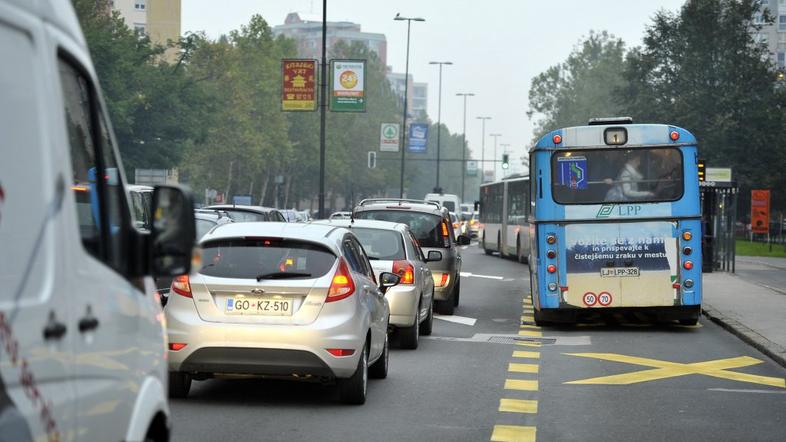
615, 222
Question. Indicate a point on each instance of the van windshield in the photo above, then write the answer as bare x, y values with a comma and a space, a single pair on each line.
617, 175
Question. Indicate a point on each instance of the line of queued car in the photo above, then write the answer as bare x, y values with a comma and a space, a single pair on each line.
315, 301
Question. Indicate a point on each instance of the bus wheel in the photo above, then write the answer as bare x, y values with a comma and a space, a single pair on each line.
521, 259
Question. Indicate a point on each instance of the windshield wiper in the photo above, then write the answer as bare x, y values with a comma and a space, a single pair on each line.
282, 275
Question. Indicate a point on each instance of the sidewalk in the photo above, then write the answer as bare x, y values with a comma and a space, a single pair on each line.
776, 263
755, 314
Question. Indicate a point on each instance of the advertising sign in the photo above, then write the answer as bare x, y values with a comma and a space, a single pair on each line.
760, 211
298, 85
389, 137
241, 200
621, 265
347, 86
418, 138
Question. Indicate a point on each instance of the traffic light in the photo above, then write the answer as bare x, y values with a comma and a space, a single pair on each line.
372, 160
701, 170
505, 161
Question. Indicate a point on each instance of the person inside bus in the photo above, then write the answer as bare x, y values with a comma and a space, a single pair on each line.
626, 187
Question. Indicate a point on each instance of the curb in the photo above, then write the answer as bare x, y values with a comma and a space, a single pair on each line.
759, 342
748, 260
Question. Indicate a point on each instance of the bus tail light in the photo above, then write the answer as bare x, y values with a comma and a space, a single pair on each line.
551, 254
552, 286
687, 236
688, 283
556, 139
687, 265
551, 268
551, 239
674, 135
687, 250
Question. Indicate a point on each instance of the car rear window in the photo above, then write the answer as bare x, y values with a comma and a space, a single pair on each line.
426, 227
381, 244
240, 216
203, 226
251, 258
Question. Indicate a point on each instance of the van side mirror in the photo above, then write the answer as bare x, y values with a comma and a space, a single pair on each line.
463, 240
434, 256
388, 280
173, 232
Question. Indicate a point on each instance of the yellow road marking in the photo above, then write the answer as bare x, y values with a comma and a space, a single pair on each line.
518, 406
529, 344
527, 301
526, 354
664, 369
534, 327
513, 433
521, 385
533, 333
522, 368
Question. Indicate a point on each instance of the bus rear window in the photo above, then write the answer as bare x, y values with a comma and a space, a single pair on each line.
617, 175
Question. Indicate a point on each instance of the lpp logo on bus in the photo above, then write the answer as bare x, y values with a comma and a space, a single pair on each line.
606, 210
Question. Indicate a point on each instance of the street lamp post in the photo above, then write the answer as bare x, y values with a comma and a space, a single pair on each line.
439, 117
494, 160
409, 20
322, 107
483, 149
464, 142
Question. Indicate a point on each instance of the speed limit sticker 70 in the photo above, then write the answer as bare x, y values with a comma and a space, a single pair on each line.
590, 299
604, 298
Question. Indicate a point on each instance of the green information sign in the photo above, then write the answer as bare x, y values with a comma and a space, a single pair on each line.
347, 85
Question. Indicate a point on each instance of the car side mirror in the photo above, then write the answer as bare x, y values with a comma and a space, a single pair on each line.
434, 256
388, 280
463, 240
173, 232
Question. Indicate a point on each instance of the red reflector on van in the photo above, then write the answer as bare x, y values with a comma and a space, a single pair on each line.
340, 352
177, 346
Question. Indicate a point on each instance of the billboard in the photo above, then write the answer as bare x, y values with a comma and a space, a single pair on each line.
418, 138
347, 86
389, 137
298, 85
760, 211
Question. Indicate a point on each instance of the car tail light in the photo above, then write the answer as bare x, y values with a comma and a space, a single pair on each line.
455, 225
445, 233
182, 286
342, 285
177, 346
405, 270
551, 268
341, 352
687, 265
441, 279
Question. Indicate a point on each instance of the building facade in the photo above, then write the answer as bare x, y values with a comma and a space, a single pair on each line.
159, 19
773, 35
306, 30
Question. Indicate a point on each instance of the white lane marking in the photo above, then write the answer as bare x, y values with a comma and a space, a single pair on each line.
487, 337
734, 390
471, 275
464, 247
457, 319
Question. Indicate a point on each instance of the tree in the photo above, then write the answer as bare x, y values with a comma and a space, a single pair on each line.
581, 87
701, 69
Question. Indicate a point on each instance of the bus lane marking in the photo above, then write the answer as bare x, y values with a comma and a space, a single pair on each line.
513, 433
518, 406
665, 369
521, 385
514, 367
526, 354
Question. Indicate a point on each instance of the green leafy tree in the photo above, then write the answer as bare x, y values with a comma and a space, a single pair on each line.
581, 87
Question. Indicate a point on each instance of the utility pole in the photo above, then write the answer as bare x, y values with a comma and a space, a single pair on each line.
483, 149
409, 20
464, 143
437, 189
322, 109
494, 161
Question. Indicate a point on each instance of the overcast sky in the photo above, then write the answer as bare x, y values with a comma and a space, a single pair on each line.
497, 46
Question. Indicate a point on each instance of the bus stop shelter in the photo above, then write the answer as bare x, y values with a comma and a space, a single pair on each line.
718, 220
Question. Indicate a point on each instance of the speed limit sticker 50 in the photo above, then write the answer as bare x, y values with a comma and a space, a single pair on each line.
590, 299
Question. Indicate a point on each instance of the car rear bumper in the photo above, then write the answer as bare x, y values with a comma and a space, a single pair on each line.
403, 300
252, 349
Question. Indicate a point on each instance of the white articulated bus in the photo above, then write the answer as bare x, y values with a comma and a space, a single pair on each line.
504, 207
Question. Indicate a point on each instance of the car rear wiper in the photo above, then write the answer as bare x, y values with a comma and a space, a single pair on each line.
282, 275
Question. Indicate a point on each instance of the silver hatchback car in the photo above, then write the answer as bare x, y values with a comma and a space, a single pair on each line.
284, 300
430, 223
392, 247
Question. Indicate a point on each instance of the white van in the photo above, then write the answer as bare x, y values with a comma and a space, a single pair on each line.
82, 334
447, 200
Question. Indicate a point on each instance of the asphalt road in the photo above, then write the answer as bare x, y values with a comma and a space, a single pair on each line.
499, 380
